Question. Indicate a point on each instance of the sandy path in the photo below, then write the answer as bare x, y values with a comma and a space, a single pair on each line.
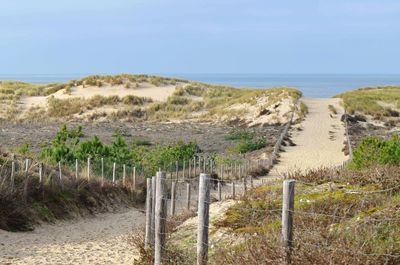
99, 240
320, 141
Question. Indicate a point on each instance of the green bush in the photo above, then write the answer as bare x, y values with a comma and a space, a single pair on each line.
234, 135
249, 145
68, 146
375, 151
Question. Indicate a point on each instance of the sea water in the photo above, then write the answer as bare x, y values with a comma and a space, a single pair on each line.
312, 85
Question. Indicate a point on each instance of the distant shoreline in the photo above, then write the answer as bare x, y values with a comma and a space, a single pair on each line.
312, 85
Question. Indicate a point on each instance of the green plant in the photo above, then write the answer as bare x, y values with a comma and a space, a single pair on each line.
23, 149
374, 151
249, 145
332, 109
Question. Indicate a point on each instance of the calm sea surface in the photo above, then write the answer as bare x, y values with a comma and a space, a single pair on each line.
312, 85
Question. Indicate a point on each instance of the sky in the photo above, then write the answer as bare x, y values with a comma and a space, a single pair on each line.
202, 36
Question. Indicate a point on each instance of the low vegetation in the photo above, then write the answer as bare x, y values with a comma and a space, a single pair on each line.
374, 151
32, 202
68, 146
378, 102
191, 100
332, 109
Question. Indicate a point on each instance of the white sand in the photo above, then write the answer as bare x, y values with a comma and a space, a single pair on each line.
157, 93
99, 240
314, 148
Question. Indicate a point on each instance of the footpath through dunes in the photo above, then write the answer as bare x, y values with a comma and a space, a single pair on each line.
318, 140
102, 239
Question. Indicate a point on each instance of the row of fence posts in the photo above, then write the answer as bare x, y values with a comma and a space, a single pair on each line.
60, 172
225, 171
156, 215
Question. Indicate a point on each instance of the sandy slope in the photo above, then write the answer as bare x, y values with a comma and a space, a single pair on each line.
99, 240
320, 141
157, 93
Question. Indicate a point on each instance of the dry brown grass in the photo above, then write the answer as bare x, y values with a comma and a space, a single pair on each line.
32, 202
340, 217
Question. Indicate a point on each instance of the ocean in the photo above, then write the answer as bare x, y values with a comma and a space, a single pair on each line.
312, 85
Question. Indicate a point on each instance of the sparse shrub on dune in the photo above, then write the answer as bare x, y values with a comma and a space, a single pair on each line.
367, 101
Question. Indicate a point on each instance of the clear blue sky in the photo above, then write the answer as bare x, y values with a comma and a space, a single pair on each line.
202, 36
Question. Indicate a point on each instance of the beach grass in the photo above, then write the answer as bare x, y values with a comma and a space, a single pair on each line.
375, 101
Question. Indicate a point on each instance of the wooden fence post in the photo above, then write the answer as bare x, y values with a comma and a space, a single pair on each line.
160, 218
203, 219
147, 238
12, 175
244, 185
287, 217
233, 190
60, 172
251, 182
76, 169
26, 165
102, 171
219, 191
134, 178
88, 168
113, 173
188, 191
40, 173
153, 208
123, 175
173, 197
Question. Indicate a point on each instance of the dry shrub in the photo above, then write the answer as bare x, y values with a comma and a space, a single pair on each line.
340, 217
32, 202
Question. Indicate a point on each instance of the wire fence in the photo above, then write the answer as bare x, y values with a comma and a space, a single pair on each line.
202, 199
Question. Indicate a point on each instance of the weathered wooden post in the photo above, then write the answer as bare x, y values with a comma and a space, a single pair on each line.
287, 217
123, 175
153, 208
88, 168
251, 182
76, 169
59, 172
160, 218
147, 238
102, 171
134, 178
244, 186
233, 190
40, 173
12, 175
219, 191
204, 163
26, 165
173, 197
113, 173
203, 219
188, 191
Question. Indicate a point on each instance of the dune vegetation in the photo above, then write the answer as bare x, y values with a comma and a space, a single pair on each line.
379, 102
187, 100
